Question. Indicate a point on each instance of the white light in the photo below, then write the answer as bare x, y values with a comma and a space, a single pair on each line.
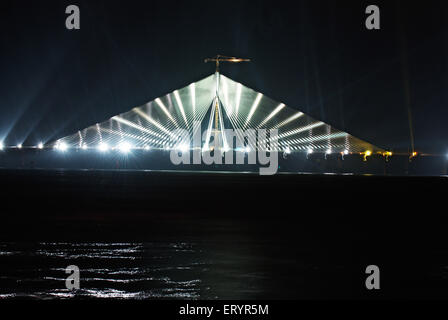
287, 150
226, 149
103, 147
147, 148
84, 147
19, 146
296, 131
273, 113
253, 108
146, 117
193, 97
124, 147
292, 118
328, 151
247, 149
165, 110
310, 151
1, 146
183, 148
238, 97
226, 97
346, 152
181, 106
40, 145
62, 146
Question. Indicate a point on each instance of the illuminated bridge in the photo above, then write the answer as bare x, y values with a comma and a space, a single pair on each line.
212, 105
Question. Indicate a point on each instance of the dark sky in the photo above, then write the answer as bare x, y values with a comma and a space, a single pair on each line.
315, 56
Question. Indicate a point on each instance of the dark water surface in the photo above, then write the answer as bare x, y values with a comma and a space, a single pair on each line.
228, 263
164, 235
112, 270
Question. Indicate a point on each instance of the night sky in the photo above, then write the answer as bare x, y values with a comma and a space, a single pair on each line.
314, 56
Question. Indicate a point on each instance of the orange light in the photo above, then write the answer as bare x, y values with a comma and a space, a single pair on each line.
366, 154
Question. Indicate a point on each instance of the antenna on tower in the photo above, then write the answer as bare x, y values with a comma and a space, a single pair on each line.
219, 58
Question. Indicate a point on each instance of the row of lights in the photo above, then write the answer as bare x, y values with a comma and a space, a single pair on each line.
62, 146
19, 146
310, 151
125, 147
329, 151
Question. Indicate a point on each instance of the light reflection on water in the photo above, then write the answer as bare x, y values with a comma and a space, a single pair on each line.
108, 270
